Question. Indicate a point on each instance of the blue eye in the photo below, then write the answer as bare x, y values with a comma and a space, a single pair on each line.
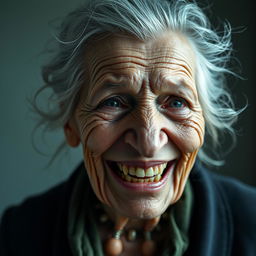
112, 102
177, 103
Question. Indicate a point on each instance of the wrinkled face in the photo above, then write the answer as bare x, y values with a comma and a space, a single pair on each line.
139, 121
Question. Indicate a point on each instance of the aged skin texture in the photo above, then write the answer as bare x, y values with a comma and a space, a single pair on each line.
139, 121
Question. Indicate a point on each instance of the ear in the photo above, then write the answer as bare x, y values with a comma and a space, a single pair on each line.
71, 133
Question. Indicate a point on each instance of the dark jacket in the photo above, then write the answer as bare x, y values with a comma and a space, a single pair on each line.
223, 221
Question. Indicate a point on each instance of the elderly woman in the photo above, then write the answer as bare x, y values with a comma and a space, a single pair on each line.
138, 83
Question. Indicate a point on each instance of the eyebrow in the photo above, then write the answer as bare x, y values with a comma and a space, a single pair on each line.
106, 86
181, 86
110, 85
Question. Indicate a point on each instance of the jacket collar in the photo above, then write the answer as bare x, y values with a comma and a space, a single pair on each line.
211, 228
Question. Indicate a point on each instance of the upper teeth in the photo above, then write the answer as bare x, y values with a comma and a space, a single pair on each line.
140, 172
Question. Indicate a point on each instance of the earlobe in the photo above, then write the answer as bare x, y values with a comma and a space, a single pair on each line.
71, 134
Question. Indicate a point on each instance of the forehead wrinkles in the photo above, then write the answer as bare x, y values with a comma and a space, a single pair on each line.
114, 64
143, 58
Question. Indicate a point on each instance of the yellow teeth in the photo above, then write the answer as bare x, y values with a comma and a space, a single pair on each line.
140, 175
149, 172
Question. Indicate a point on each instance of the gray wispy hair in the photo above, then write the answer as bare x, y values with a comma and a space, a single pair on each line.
145, 19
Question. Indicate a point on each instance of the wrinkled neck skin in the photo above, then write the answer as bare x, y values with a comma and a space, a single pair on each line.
139, 107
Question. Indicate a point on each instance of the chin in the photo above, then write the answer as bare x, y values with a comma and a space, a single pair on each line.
144, 204
144, 209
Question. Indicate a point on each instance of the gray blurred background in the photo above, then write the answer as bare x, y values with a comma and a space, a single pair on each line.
24, 31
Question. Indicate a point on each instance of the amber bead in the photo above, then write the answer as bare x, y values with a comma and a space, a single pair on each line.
113, 247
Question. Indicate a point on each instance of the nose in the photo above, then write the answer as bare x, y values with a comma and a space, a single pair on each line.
147, 135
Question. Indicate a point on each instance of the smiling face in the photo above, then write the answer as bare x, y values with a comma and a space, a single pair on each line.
139, 121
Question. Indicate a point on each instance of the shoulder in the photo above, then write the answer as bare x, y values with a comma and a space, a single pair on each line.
40, 207
238, 200
224, 214
236, 192
31, 225
241, 197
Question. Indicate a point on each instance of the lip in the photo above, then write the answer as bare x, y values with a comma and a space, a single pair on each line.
150, 186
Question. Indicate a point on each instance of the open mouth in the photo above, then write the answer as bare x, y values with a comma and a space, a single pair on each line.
137, 174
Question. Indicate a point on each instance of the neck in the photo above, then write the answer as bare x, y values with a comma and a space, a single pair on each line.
132, 223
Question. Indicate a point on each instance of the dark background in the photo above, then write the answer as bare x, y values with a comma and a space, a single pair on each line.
24, 30
241, 15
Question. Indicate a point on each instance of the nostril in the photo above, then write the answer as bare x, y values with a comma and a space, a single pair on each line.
130, 138
146, 144
163, 137
146, 141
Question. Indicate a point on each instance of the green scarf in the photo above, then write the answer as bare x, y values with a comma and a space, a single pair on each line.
83, 235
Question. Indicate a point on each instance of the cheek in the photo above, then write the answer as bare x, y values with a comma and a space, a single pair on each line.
100, 139
100, 136
96, 134
188, 136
